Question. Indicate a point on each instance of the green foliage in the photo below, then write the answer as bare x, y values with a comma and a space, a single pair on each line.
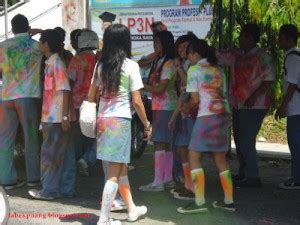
9, 2
274, 131
270, 15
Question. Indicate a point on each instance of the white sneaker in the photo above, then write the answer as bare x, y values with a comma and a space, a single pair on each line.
151, 187
83, 167
37, 194
110, 222
140, 211
118, 205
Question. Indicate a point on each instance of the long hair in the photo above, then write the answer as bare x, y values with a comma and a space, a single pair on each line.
168, 48
116, 48
167, 41
204, 50
184, 38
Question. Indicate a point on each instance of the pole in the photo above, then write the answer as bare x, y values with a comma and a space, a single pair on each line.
6, 18
85, 13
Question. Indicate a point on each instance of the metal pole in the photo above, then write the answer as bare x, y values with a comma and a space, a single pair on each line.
6, 18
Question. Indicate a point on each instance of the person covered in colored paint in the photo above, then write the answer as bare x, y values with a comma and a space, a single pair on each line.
252, 75
20, 60
80, 71
206, 85
164, 99
290, 106
186, 121
56, 117
145, 61
119, 81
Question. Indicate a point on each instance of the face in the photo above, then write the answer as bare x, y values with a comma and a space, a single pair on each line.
193, 57
157, 46
282, 41
244, 40
182, 49
43, 47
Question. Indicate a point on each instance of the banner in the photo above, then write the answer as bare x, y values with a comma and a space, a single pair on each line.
178, 19
139, 3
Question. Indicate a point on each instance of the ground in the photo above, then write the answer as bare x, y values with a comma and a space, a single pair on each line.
259, 206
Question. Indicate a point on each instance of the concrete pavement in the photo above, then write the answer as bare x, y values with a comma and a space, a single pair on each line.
259, 206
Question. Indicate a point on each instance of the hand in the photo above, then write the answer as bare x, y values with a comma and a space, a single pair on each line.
33, 31
147, 133
153, 56
172, 124
280, 113
66, 125
185, 108
177, 63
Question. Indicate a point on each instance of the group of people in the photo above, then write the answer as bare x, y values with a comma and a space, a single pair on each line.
44, 86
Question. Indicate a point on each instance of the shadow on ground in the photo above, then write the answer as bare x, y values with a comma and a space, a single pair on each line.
257, 206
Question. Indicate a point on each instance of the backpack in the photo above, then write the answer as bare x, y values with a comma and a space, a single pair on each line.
295, 52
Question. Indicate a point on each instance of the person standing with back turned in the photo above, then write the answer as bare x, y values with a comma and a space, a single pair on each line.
118, 79
20, 60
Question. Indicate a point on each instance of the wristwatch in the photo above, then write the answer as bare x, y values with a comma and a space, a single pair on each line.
65, 118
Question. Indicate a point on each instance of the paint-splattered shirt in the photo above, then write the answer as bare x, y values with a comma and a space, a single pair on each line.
56, 81
118, 105
20, 60
248, 72
168, 99
80, 71
209, 82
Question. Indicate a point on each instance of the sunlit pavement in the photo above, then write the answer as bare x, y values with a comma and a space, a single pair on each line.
260, 206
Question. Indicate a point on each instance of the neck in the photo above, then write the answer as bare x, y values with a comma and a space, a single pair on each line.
290, 47
48, 54
198, 59
248, 48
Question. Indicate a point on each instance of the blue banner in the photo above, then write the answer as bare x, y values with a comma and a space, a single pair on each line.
140, 3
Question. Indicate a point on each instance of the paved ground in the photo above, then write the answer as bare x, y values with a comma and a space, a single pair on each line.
270, 150
261, 206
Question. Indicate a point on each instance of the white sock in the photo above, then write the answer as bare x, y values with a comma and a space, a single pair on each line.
105, 171
109, 193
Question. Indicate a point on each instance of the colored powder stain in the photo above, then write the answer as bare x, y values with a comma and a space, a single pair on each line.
226, 182
207, 78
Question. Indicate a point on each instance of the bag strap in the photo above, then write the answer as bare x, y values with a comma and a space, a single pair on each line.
154, 66
294, 52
